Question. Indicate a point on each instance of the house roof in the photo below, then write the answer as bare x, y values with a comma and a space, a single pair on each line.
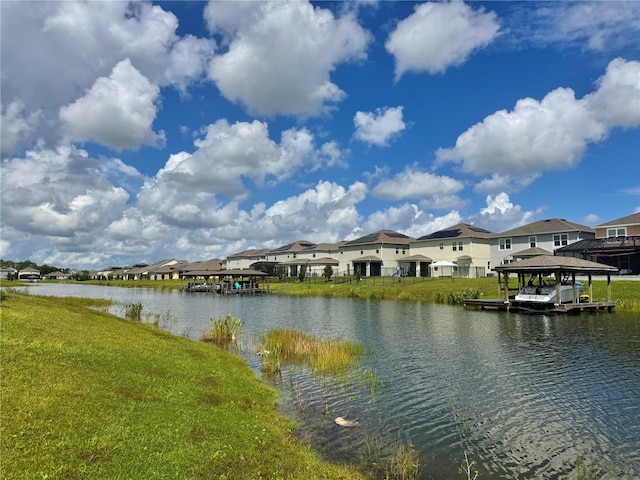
554, 263
168, 268
312, 261
325, 247
211, 265
633, 219
29, 269
367, 258
532, 252
416, 258
294, 246
601, 246
149, 268
252, 252
461, 230
382, 236
551, 225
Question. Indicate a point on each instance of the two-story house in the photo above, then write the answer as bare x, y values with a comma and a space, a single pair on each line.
538, 238
465, 245
379, 253
616, 243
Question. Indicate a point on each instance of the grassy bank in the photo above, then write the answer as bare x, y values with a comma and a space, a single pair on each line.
85, 394
442, 290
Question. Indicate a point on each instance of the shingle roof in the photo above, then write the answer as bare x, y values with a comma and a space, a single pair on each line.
552, 263
294, 246
252, 252
551, 225
382, 236
461, 230
211, 265
532, 252
632, 219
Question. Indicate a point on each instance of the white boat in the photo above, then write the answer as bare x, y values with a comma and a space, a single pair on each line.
546, 295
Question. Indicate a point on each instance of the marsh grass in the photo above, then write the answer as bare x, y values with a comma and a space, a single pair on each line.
86, 394
323, 356
223, 331
133, 311
404, 463
456, 298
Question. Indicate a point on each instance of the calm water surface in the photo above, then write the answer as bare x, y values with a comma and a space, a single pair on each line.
525, 396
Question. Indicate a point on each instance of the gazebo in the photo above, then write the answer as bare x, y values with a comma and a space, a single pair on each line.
559, 267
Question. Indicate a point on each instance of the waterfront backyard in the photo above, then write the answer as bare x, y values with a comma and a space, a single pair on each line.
525, 396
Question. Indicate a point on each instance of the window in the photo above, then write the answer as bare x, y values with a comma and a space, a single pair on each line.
441, 246
454, 245
403, 251
533, 242
617, 232
361, 251
396, 250
460, 246
560, 239
377, 250
505, 244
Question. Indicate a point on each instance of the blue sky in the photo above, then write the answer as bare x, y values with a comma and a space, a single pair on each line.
136, 132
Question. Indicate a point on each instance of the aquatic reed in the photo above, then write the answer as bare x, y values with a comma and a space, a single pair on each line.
404, 464
222, 331
323, 356
133, 311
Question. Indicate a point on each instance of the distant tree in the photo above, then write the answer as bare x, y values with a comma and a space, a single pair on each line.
327, 272
358, 274
280, 272
303, 273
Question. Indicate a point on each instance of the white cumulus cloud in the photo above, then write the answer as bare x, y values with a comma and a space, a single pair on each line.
117, 111
379, 127
230, 154
53, 53
59, 193
551, 134
433, 191
440, 35
281, 55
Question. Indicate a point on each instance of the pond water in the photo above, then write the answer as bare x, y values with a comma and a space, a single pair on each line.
524, 396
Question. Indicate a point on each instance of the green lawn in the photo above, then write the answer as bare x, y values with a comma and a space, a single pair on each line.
85, 394
441, 290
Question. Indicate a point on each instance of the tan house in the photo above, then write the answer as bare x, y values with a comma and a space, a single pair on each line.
153, 271
315, 259
377, 254
617, 244
289, 254
465, 245
252, 258
628, 226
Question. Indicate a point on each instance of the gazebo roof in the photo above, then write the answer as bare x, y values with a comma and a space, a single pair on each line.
553, 263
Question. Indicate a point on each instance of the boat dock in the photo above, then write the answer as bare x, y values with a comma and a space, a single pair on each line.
228, 282
225, 289
501, 304
547, 284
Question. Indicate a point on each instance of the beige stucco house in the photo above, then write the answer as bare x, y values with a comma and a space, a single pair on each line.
465, 245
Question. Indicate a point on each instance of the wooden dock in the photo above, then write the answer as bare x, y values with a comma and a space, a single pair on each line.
500, 304
225, 289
